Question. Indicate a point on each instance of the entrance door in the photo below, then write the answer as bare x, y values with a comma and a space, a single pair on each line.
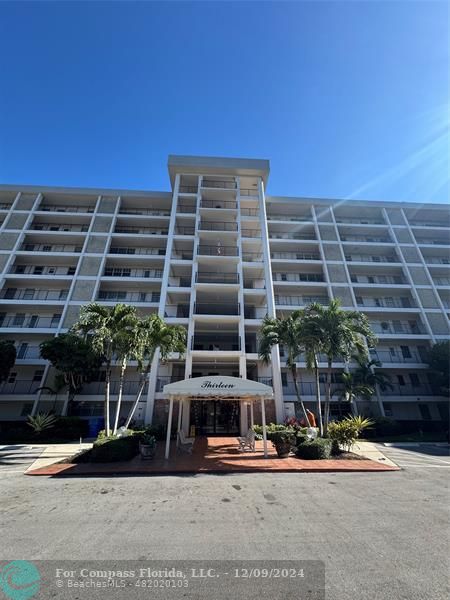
215, 417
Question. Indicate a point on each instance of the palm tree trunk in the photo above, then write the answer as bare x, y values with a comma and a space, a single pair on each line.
327, 398
319, 402
107, 390
297, 391
123, 368
142, 383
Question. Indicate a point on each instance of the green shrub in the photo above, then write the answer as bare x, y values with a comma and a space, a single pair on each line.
345, 433
114, 449
271, 429
301, 438
317, 449
41, 422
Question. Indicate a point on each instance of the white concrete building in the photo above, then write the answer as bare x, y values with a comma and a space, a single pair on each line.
216, 255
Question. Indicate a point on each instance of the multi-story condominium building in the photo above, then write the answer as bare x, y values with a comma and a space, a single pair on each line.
216, 255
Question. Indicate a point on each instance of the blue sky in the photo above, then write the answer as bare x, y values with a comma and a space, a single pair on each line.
346, 99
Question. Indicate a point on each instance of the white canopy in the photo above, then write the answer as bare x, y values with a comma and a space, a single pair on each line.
218, 386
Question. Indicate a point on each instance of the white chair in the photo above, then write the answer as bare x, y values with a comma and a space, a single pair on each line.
185, 443
247, 443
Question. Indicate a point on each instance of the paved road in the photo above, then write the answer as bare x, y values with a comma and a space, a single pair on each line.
381, 536
16, 458
420, 456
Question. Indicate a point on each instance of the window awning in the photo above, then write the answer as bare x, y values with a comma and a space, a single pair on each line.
218, 386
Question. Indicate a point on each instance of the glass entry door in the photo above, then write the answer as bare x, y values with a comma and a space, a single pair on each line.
215, 417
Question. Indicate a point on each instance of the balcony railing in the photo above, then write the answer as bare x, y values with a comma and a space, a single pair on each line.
229, 204
56, 227
29, 294
249, 192
120, 296
251, 233
176, 311
307, 389
386, 356
295, 255
41, 270
139, 230
255, 312
214, 277
365, 239
64, 208
386, 327
299, 300
144, 211
182, 255
26, 351
216, 183
181, 230
381, 280
437, 260
370, 258
359, 221
441, 281
249, 212
140, 250
175, 281
30, 321
386, 302
278, 235
21, 386
97, 388
252, 256
254, 283
298, 277
27, 247
188, 189
433, 241
214, 343
416, 223
294, 218
216, 308
409, 390
217, 250
126, 272
187, 208
162, 381
217, 226
5, 206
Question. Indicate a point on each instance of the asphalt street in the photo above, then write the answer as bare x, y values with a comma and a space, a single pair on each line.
381, 536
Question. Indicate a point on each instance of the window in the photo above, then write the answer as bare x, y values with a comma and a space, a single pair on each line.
12, 377
29, 247
38, 375
19, 319
284, 379
33, 321
46, 248
401, 380
414, 378
22, 351
20, 269
26, 409
406, 353
387, 409
71, 271
29, 294
10, 293
425, 412
371, 279
51, 270
38, 270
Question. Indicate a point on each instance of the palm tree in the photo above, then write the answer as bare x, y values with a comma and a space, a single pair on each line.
365, 374
154, 334
341, 334
352, 389
103, 327
289, 332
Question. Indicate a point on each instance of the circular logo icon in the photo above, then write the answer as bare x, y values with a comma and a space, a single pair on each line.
19, 580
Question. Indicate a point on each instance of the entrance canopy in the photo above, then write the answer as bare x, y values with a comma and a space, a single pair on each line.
218, 386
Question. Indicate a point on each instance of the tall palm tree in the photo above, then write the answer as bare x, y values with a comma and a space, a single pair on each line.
352, 389
289, 332
154, 334
103, 326
342, 333
366, 374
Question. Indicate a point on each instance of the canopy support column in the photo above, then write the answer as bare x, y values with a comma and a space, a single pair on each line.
180, 412
263, 418
252, 417
169, 428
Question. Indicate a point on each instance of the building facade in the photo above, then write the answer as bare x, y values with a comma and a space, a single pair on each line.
216, 255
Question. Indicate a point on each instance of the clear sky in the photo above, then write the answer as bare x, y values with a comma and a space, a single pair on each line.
346, 99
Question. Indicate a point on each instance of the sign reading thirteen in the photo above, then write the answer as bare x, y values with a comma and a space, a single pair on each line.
219, 385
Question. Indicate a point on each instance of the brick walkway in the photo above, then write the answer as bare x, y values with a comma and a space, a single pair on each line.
212, 455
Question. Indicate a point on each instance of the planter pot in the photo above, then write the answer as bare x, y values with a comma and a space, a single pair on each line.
147, 451
283, 449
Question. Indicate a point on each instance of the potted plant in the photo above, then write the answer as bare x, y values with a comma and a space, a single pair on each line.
147, 446
283, 441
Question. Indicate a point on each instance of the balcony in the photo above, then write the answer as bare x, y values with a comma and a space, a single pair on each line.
254, 283
221, 204
215, 343
31, 294
58, 227
24, 351
433, 241
20, 386
214, 277
217, 183
179, 281
27, 247
428, 223
279, 235
293, 218
30, 321
217, 226
97, 388
409, 390
371, 258
66, 208
188, 189
137, 250
42, 270
365, 239
140, 230
5, 206
143, 211
176, 311
249, 192
126, 272
162, 381
251, 233
182, 255
437, 260
182, 230
397, 328
121, 296
252, 256
295, 256
249, 212
298, 277
306, 388
216, 308
300, 300
187, 208
441, 281
359, 221
386, 302
386, 356
255, 312
217, 250
379, 280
